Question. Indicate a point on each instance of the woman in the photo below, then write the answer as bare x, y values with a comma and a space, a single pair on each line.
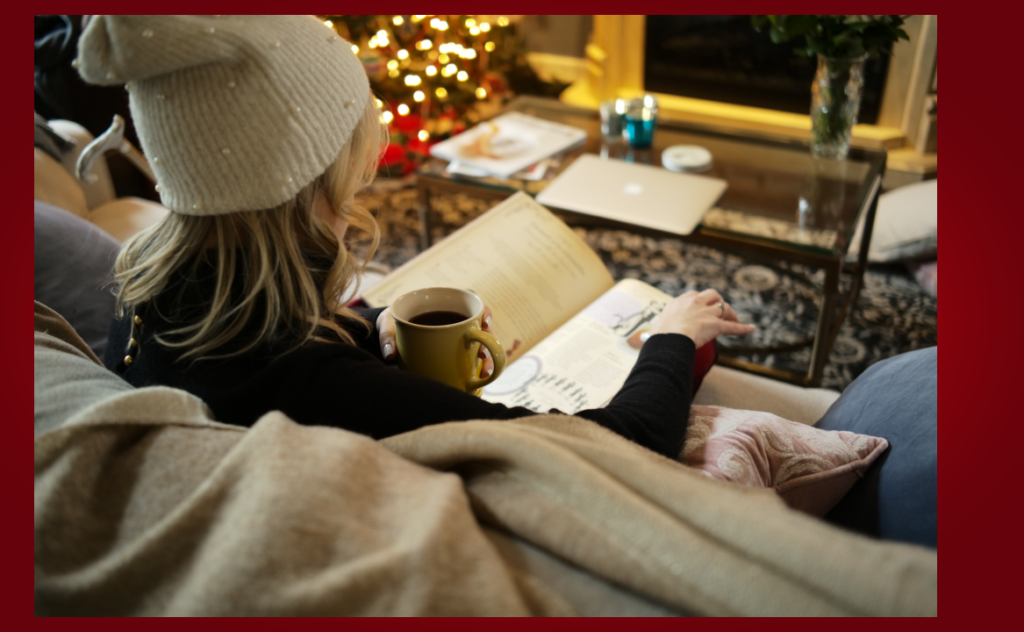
260, 131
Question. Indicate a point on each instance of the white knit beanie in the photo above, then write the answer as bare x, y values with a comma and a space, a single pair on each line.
234, 113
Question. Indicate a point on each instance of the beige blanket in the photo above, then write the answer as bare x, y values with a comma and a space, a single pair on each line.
145, 506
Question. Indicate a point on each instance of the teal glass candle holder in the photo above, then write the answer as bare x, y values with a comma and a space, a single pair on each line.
641, 121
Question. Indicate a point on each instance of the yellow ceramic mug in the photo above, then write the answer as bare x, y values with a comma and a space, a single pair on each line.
439, 334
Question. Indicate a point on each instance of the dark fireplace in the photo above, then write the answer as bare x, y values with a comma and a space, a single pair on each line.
722, 58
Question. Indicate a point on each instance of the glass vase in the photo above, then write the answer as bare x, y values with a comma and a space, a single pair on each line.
835, 100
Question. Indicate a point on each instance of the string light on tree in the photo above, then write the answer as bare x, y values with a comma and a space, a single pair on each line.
438, 74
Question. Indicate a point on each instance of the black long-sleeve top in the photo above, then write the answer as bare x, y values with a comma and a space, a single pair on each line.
351, 387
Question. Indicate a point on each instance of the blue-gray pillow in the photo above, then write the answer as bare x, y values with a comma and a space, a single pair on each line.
897, 399
74, 264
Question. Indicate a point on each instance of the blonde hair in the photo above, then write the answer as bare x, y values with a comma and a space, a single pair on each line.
287, 259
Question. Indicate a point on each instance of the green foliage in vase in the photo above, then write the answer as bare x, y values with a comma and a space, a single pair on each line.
836, 36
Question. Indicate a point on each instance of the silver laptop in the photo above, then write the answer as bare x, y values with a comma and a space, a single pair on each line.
633, 193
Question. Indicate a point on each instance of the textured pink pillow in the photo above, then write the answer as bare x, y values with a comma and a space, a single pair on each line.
810, 469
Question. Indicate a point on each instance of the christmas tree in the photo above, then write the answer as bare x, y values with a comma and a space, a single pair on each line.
435, 75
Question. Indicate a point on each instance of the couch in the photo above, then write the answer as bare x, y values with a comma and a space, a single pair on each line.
147, 505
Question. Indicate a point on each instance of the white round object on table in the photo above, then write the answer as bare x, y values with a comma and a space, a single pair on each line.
686, 158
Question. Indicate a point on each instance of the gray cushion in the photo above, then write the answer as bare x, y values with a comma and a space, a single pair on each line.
898, 497
74, 263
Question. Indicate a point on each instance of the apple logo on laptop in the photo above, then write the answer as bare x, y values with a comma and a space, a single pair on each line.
633, 188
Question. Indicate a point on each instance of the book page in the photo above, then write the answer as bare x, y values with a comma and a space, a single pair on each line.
585, 362
530, 268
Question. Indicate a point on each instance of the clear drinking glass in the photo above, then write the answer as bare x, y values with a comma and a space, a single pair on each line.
613, 114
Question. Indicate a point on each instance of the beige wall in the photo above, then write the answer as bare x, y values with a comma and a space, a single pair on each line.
557, 34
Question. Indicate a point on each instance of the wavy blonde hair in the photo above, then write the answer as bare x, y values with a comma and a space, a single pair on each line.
288, 260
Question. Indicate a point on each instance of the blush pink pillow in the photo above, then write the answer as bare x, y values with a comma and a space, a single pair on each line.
810, 469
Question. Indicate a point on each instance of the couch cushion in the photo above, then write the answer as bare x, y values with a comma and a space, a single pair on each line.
74, 262
54, 185
897, 399
735, 389
123, 217
811, 469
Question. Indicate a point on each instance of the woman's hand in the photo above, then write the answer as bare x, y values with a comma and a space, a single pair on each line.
389, 348
386, 335
701, 316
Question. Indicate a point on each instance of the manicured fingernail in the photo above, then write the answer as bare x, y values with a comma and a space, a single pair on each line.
389, 349
487, 321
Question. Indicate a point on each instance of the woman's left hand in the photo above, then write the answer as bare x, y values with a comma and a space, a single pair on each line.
389, 348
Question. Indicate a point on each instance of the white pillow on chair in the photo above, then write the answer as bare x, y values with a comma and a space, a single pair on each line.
906, 224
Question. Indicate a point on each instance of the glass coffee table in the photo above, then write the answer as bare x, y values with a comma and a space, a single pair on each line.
781, 207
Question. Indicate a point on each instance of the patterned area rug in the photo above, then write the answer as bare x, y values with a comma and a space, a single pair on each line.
892, 315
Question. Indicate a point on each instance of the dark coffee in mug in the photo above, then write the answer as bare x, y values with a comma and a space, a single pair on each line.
437, 319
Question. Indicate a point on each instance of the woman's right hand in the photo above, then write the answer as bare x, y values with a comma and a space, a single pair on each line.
699, 316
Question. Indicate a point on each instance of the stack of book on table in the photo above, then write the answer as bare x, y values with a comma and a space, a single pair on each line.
507, 146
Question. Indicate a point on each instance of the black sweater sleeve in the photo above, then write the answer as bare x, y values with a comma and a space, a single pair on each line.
653, 405
350, 387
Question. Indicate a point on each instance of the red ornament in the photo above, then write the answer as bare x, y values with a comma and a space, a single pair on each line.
394, 154
410, 123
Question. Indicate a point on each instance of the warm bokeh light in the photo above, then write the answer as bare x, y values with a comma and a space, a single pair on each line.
403, 109
424, 44
355, 49
418, 96
481, 93
449, 70
392, 64
484, 26
403, 54
503, 21
329, 24
431, 71
443, 58
470, 23
469, 53
397, 20
473, 30
379, 103
387, 117
462, 76
423, 135
394, 72
489, 47
413, 80
441, 93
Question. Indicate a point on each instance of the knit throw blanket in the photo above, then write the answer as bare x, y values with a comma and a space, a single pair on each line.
145, 506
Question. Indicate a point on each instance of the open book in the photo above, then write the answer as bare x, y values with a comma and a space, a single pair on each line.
570, 332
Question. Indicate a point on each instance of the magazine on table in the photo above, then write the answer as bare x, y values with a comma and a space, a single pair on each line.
508, 144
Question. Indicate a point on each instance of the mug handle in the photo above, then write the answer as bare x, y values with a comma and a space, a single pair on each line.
497, 354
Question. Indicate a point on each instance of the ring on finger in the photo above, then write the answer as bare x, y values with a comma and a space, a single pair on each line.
721, 305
